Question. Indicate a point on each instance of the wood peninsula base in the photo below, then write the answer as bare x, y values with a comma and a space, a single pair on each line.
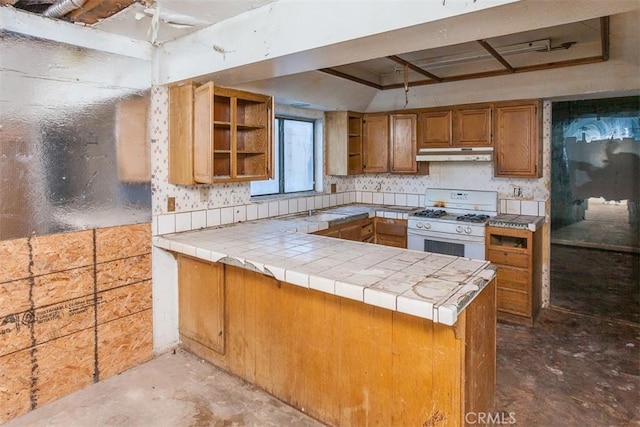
340, 361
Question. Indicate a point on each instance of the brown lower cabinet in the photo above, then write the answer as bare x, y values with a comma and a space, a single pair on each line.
341, 361
360, 230
383, 231
391, 232
517, 255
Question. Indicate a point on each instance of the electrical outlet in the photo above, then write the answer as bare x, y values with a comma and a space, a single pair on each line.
334, 188
171, 204
517, 191
204, 195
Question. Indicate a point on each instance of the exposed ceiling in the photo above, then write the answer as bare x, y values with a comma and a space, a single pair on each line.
552, 47
159, 21
162, 20
135, 18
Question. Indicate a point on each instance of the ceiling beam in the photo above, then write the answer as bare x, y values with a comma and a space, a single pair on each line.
524, 69
496, 55
414, 67
604, 37
65, 32
346, 76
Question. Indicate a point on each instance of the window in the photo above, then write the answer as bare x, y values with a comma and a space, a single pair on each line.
293, 159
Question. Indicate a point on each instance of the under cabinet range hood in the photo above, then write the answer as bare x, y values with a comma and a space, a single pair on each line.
455, 154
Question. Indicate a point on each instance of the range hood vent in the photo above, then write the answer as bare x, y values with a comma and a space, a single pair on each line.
455, 154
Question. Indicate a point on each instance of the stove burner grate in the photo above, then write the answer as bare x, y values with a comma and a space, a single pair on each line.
430, 213
473, 218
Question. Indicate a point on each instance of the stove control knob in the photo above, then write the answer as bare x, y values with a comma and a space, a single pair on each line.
419, 224
427, 226
467, 230
459, 229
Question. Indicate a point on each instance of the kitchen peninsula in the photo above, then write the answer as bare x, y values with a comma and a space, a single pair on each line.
348, 332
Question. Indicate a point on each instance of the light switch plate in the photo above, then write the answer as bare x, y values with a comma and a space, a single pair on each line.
171, 204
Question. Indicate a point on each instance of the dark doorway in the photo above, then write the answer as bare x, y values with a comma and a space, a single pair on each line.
595, 195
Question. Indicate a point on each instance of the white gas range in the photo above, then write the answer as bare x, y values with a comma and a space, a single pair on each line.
453, 222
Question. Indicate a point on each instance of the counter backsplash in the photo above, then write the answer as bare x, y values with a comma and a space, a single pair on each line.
202, 218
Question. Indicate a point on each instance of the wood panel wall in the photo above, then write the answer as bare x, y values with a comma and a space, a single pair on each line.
75, 308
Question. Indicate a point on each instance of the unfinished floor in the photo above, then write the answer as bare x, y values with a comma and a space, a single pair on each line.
568, 370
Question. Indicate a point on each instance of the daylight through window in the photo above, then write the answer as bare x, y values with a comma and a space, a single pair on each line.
293, 159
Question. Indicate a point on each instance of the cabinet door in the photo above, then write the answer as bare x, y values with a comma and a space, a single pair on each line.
201, 302
403, 143
391, 232
181, 134
435, 129
375, 144
472, 127
517, 149
203, 133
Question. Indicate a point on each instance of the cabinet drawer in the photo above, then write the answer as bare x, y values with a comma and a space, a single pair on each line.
395, 241
391, 227
514, 302
514, 279
508, 258
353, 232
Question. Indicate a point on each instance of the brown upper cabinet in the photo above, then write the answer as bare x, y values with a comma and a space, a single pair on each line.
518, 150
375, 143
460, 126
403, 144
472, 126
388, 142
181, 133
435, 129
343, 142
219, 135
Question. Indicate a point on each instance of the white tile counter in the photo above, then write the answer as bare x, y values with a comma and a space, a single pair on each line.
431, 286
519, 222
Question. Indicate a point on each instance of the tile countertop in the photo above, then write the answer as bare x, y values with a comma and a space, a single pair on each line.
520, 222
432, 286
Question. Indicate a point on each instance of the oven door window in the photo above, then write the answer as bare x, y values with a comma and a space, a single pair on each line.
446, 248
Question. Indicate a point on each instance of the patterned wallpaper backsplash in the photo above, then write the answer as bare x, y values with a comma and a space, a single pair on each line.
206, 206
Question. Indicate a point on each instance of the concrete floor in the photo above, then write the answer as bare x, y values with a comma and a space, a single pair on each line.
176, 390
606, 226
568, 370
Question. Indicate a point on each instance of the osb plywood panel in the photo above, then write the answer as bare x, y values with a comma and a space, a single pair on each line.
14, 298
123, 272
124, 343
64, 365
124, 301
15, 259
58, 320
64, 285
15, 332
122, 242
15, 385
59, 252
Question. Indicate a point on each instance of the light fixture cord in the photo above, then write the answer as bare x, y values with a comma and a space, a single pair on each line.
406, 84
